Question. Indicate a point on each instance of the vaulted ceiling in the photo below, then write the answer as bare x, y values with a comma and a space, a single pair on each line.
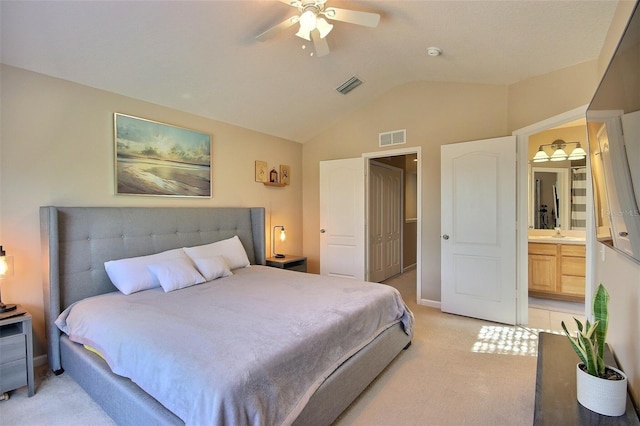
202, 56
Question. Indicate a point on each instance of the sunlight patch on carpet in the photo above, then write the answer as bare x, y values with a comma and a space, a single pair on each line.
508, 340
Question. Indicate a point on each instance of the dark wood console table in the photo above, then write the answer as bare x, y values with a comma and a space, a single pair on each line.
556, 400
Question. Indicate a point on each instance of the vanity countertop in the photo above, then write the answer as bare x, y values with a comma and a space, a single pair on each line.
556, 240
551, 237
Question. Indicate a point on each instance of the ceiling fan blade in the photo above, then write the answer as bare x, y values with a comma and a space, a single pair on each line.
277, 28
352, 16
320, 44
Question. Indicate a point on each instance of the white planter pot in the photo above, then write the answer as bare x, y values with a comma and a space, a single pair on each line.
608, 397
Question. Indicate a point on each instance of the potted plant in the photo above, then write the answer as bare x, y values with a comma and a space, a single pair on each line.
600, 388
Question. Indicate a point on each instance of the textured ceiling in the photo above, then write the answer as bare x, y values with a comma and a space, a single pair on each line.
202, 57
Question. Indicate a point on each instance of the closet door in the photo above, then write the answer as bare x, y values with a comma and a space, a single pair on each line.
385, 221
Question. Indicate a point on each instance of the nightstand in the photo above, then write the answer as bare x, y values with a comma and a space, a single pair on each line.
16, 351
290, 262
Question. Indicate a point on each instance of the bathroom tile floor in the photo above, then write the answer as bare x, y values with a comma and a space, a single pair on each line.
547, 315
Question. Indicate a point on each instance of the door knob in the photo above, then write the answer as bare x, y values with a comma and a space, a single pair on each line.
445, 237
623, 234
322, 231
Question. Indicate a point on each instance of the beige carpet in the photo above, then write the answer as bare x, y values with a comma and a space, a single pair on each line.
458, 371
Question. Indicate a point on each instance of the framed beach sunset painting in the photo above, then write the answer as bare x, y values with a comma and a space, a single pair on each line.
160, 159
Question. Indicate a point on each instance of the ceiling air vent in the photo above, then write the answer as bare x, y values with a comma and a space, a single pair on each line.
396, 137
349, 85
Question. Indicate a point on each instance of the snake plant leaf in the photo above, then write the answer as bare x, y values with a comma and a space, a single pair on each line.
576, 345
601, 314
578, 324
590, 354
591, 330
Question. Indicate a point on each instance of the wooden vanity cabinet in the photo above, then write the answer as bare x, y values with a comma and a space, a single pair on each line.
543, 270
572, 270
557, 271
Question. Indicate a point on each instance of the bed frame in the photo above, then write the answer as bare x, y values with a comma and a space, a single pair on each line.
76, 241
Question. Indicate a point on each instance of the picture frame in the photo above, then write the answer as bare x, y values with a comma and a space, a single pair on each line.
261, 171
159, 159
285, 174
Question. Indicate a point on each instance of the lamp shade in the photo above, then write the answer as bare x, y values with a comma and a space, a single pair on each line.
323, 27
578, 153
558, 155
6, 270
308, 23
282, 236
540, 156
6, 264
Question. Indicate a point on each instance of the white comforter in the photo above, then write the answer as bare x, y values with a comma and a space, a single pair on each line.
249, 349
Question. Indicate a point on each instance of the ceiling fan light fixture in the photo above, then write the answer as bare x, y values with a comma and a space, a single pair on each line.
308, 22
323, 27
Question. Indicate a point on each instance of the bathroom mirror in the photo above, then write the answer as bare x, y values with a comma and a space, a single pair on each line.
550, 198
613, 121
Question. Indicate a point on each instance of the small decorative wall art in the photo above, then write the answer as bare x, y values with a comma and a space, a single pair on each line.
273, 176
285, 174
160, 159
261, 171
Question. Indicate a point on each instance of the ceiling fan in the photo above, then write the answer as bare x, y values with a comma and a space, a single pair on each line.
313, 25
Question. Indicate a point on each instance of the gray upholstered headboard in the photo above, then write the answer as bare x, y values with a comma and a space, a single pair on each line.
76, 241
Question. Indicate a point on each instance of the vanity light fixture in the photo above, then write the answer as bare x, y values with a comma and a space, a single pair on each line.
578, 153
540, 156
559, 154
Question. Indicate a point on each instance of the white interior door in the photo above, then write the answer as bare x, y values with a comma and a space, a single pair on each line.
342, 218
478, 224
385, 221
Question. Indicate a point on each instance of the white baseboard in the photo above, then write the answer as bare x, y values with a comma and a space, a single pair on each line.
430, 303
409, 268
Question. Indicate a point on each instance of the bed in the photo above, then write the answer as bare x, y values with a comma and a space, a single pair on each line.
76, 243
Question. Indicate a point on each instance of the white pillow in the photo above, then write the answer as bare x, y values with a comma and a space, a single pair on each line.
232, 250
175, 274
131, 275
212, 267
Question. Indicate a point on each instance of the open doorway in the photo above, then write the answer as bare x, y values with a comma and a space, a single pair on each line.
564, 286
557, 219
394, 247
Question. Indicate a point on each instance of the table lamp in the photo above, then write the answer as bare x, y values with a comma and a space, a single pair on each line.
6, 270
283, 237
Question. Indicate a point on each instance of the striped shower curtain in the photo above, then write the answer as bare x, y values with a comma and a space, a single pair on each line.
579, 198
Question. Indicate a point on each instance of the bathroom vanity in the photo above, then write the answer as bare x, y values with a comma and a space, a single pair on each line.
557, 267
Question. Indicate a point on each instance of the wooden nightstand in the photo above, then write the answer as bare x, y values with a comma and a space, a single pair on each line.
16, 352
290, 262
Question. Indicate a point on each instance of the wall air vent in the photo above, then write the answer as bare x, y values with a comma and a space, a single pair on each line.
396, 137
349, 85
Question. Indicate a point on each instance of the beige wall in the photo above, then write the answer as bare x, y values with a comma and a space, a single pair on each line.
57, 149
538, 98
621, 276
434, 114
